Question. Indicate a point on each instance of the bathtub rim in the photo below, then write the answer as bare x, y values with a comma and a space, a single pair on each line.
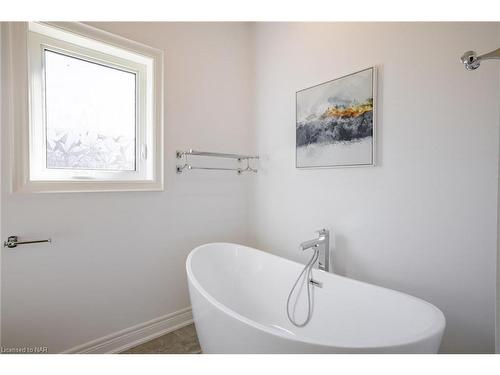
435, 329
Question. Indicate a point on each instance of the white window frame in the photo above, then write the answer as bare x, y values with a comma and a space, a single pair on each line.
82, 41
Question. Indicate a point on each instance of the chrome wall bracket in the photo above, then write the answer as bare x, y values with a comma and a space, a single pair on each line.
472, 61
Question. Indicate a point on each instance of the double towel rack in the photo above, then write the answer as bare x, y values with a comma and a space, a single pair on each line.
185, 154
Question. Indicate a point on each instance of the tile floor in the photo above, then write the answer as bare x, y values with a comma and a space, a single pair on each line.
182, 341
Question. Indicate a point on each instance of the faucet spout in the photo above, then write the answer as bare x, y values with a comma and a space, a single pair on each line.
309, 244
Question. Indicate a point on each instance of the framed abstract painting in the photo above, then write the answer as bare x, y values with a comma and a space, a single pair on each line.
335, 122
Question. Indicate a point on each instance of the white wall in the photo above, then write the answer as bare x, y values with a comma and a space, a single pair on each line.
118, 259
424, 220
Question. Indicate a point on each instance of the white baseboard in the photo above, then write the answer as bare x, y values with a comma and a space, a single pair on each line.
136, 335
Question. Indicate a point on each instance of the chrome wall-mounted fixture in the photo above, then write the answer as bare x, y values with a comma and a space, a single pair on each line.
472, 61
13, 241
185, 154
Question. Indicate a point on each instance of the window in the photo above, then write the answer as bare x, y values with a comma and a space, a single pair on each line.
95, 119
90, 114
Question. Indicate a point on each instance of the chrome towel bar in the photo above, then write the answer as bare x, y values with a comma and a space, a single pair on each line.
181, 167
180, 154
12, 242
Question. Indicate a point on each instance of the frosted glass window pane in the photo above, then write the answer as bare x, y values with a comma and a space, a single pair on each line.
90, 115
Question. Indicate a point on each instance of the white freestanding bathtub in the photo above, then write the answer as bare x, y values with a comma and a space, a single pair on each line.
238, 295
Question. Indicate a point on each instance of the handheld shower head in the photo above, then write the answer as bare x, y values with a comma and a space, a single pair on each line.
470, 60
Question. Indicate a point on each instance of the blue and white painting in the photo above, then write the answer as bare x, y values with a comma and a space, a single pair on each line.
335, 122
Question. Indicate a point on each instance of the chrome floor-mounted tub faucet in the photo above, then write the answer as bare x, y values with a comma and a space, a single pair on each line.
322, 243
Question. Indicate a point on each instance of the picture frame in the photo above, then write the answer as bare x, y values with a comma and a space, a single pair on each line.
336, 122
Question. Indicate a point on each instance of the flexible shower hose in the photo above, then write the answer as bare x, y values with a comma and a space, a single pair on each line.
308, 270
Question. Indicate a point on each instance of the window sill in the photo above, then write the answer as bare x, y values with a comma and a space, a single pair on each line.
87, 186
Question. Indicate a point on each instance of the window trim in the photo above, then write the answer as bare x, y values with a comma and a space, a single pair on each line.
26, 176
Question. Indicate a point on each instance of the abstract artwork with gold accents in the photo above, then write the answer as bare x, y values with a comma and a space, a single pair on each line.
335, 122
